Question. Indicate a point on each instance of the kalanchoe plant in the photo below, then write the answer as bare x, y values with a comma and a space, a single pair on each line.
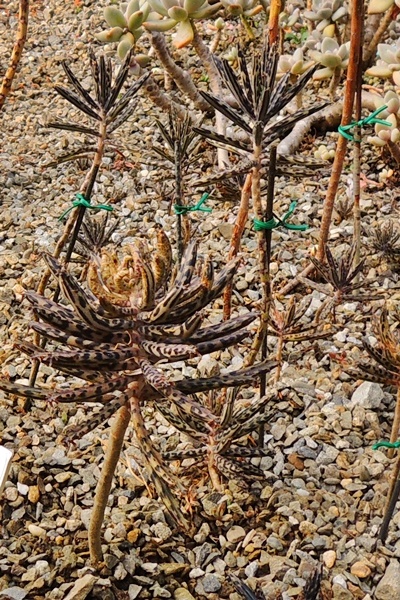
179, 149
341, 275
106, 107
113, 338
287, 325
385, 239
383, 366
259, 99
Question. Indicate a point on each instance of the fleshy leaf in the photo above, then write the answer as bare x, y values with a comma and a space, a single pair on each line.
184, 34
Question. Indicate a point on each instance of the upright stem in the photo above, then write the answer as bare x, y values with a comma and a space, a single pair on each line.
113, 452
238, 229
394, 436
264, 249
181, 77
357, 154
19, 43
178, 197
72, 227
369, 54
273, 21
357, 15
205, 56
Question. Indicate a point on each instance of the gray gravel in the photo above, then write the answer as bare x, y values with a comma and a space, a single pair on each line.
324, 489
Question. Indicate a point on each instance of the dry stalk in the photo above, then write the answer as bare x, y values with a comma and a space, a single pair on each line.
20, 39
357, 147
238, 229
357, 14
114, 447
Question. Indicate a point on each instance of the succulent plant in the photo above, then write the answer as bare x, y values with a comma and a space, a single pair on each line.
385, 134
248, 8
130, 20
324, 153
325, 13
117, 331
341, 276
293, 63
380, 6
333, 57
289, 16
169, 13
126, 26
388, 64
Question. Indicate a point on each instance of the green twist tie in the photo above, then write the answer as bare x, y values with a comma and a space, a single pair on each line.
370, 120
273, 224
386, 445
183, 210
81, 201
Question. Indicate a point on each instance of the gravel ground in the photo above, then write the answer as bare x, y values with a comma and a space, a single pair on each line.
324, 489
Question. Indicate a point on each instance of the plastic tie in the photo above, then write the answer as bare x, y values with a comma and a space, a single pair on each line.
81, 201
384, 444
183, 210
344, 130
276, 222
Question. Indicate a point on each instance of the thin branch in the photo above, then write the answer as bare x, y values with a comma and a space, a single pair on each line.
17, 51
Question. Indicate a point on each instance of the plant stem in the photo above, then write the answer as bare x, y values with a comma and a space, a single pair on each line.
357, 14
247, 27
357, 154
205, 56
370, 51
181, 77
334, 82
72, 226
19, 43
215, 42
238, 229
276, 8
178, 197
163, 101
394, 151
103, 488
264, 249
396, 425
278, 358
393, 495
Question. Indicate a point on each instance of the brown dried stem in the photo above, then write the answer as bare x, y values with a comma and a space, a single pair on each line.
238, 229
112, 455
264, 249
394, 436
357, 15
357, 150
276, 8
17, 51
